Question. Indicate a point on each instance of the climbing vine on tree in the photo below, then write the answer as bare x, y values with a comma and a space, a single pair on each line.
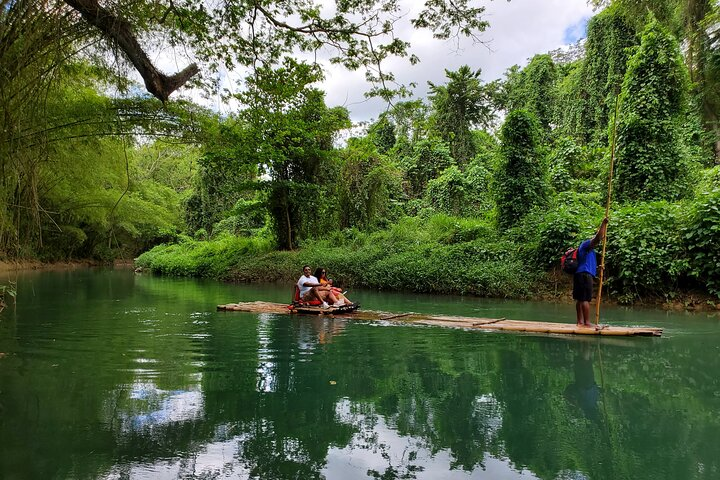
651, 164
520, 177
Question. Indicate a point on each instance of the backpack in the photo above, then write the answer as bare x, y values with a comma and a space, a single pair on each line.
569, 261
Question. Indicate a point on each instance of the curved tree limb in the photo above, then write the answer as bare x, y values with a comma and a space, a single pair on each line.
120, 30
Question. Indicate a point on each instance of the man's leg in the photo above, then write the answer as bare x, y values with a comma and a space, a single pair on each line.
586, 313
313, 294
318, 294
579, 313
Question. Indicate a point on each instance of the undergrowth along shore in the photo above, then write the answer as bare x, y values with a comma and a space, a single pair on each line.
440, 257
440, 254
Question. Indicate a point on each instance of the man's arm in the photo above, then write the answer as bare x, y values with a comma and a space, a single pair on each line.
308, 282
600, 233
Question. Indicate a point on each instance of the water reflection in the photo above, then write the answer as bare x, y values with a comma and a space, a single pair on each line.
584, 392
155, 386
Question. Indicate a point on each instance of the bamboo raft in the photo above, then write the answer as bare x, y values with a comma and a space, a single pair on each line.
448, 321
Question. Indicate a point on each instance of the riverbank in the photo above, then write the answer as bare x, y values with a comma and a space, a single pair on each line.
436, 257
557, 287
7, 266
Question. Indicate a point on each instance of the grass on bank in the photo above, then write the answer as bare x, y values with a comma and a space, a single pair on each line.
440, 254
655, 250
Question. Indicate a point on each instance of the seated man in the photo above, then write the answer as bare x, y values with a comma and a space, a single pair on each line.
311, 289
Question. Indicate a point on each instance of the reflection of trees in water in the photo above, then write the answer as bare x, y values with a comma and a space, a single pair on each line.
404, 394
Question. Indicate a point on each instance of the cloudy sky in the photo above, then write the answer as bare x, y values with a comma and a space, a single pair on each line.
518, 30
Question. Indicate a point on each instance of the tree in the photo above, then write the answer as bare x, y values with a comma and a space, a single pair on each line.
382, 134
430, 157
694, 22
291, 135
532, 89
367, 185
461, 105
609, 39
650, 160
520, 177
240, 33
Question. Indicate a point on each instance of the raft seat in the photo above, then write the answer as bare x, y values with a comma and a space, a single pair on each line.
298, 302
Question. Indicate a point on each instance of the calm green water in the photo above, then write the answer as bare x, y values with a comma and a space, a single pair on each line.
107, 374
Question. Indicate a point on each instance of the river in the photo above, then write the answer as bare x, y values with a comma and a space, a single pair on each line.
107, 374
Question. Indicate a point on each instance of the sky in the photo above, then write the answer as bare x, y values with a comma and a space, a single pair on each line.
519, 29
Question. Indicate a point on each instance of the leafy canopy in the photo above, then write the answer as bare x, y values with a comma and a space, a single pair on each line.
237, 33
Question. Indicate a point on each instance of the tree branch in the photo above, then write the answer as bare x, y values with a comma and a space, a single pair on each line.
120, 30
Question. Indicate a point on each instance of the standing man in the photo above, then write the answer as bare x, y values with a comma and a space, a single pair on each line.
583, 277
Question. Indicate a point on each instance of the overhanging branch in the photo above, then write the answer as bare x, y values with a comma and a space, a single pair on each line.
120, 30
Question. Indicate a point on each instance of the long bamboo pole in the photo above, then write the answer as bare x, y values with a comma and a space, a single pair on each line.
607, 214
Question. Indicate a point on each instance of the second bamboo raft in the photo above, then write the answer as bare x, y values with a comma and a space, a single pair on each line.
453, 321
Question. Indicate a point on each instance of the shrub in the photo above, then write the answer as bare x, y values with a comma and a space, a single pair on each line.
549, 233
702, 238
645, 252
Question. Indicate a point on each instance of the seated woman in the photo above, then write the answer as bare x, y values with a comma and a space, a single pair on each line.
321, 275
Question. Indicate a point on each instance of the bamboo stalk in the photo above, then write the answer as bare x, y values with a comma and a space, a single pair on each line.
607, 214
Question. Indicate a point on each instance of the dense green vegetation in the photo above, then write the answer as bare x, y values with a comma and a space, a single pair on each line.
434, 196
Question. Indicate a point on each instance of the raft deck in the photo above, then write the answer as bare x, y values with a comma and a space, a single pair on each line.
449, 321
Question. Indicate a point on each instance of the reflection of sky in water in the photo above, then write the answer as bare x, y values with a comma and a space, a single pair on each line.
153, 406
376, 446
217, 460
267, 356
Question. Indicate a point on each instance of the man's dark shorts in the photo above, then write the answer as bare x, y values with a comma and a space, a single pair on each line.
582, 287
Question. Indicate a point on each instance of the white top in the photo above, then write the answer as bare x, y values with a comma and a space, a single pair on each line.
303, 280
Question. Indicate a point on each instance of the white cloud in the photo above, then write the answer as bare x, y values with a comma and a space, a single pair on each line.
518, 30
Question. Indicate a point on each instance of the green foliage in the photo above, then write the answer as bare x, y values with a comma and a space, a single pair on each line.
246, 218
532, 89
223, 179
9, 290
382, 134
368, 186
546, 234
568, 106
429, 158
410, 121
520, 177
486, 148
212, 258
578, 168
650, 161
461, 105
291, 132
701, 236
439, 255
608, 47
461, 194
645, 253
668, 12
708, 180
563, 160
170, 164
